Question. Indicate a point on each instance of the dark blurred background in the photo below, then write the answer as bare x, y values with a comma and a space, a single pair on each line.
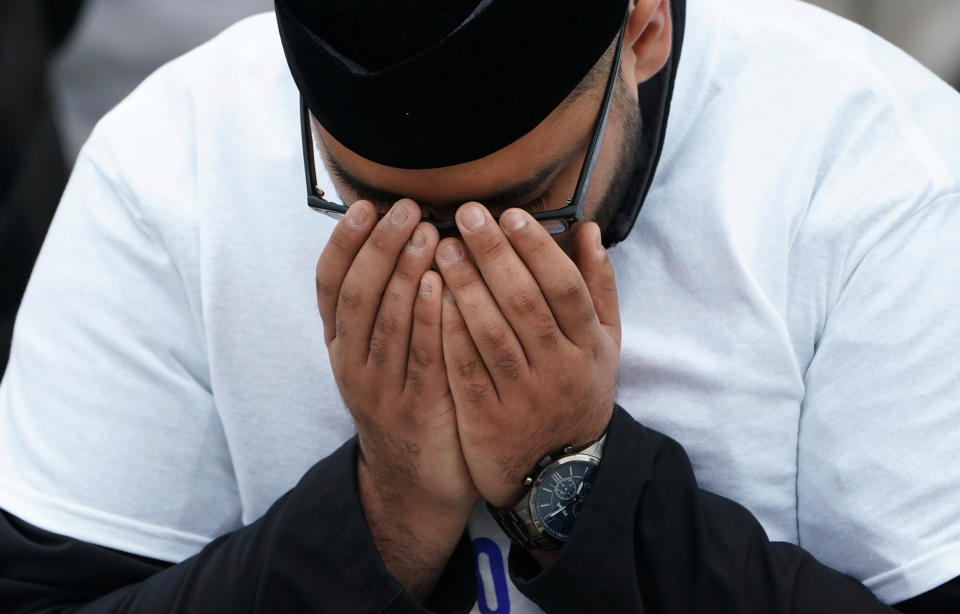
32, 168
64, 63
929, 30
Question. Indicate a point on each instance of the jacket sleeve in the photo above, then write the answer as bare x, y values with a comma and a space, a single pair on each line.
945, 599
311, 552
649, 540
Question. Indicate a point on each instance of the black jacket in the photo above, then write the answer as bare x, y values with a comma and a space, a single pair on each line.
648, 540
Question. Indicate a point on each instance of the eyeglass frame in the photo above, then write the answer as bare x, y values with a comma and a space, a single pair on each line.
567, 215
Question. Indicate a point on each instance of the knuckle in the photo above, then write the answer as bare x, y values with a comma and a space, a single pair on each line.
420, 356
476, 394
508, 364
320, 268
548, 334
595, 347
466, 367
341, 243
461, 281
378, 352
386, 325
459, 327
415, 380
570, 287
492, 247
324, 287
350, 297
548, 337
524, 302
404, 273
539, 244
393, 295
588, 317
380, 239
494, 335
422, 319
607, 281
342, 330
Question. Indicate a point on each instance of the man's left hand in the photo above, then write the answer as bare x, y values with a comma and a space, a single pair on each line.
531, 340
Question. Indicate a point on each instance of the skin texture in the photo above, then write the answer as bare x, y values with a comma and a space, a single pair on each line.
531, 340
460, 378
381, 309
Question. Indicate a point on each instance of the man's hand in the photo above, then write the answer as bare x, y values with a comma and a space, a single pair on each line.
531, 340
381, 310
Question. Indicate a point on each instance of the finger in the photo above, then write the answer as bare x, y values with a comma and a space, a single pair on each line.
594, 263
560, 281
510, 281
390, 339
425, 367
494, 338
366, 280
470, 382
334, 262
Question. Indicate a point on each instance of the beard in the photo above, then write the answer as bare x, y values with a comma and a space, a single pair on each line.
628, 159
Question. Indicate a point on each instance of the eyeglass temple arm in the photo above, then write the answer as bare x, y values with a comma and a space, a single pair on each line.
596, 141
306, 136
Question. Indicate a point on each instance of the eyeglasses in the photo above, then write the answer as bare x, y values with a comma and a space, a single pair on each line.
556, 221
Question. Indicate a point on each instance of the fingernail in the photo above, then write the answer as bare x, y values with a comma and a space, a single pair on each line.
400, 212
448, 296
513, 220
356, 216
451, 252
418, 240
425, 288
472, 217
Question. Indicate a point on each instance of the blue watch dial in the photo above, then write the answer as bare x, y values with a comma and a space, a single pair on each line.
560, 495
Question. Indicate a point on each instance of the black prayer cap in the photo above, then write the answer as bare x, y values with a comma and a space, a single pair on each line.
431, 83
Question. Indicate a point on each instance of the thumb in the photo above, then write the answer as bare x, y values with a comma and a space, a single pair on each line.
597, 270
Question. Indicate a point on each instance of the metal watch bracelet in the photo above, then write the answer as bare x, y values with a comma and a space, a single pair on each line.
518, 522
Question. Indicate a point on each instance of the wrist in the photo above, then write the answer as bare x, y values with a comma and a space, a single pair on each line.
415, 540
400, 504
558, 487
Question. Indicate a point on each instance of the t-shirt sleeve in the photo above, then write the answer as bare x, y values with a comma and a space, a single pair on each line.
111, 444
105, 408
878, 482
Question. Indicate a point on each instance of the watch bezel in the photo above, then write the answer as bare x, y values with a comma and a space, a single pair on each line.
538, 481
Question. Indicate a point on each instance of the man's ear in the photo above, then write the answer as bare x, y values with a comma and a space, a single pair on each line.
648, 40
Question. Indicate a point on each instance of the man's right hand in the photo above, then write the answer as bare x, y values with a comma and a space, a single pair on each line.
381, 309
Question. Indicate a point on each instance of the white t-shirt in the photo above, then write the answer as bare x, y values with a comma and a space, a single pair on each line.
789, 300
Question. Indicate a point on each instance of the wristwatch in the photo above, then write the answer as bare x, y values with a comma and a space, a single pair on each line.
558, 486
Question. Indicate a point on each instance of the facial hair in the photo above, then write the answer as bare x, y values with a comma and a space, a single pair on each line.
627, 161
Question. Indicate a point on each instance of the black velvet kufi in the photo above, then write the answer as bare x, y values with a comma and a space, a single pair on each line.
433, 83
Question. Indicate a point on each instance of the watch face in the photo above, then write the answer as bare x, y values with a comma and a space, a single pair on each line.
560, 495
